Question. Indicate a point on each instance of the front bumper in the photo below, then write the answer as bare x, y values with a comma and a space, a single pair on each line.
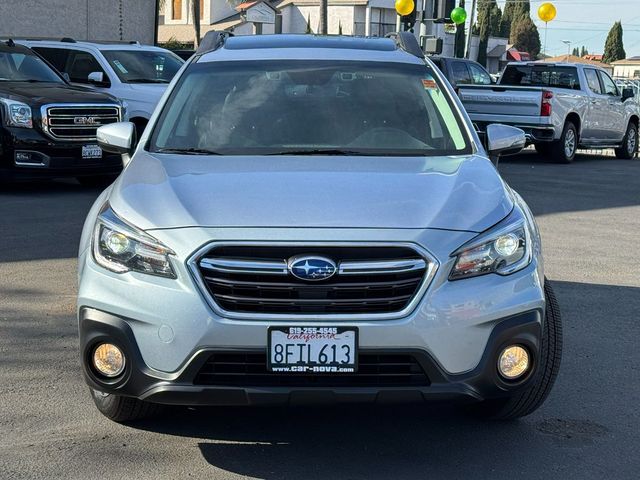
29, 154
180, 388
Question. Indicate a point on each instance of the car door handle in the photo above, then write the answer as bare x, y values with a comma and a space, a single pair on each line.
594, 102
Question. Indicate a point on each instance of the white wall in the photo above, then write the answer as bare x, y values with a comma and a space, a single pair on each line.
627, 71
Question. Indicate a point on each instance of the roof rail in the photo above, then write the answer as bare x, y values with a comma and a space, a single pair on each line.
212, 41
133, 42
10, 43
408, 42
68, 40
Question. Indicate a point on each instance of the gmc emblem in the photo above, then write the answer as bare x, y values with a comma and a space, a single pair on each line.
85, 121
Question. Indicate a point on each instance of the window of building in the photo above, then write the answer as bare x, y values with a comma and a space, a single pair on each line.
176, 9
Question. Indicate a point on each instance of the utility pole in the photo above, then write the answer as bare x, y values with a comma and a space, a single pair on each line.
470, 34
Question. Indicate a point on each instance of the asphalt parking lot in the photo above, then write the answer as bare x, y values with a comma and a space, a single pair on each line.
589, 213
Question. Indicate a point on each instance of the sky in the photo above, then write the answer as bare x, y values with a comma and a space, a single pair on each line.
587, 22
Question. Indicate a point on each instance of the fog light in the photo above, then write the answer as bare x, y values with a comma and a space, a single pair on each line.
513, 362
108, 360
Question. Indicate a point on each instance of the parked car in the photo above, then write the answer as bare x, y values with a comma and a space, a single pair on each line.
561, 107
48, 127
243, 257
137, 74
461, 71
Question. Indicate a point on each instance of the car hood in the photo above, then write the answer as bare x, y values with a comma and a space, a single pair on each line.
38, 94
453, 193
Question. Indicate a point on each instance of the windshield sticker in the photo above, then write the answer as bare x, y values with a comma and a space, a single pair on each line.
120, 66
429, 84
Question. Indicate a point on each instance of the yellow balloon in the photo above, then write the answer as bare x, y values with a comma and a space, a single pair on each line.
547, 12
404, 7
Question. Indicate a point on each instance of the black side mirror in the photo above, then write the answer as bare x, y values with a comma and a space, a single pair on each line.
627, 93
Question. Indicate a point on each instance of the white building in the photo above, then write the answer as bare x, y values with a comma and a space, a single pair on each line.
351, 17
628, 68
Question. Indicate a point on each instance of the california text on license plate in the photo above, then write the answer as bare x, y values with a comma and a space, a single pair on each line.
313, 349
91, 151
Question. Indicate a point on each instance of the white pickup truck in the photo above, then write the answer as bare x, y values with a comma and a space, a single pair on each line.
561, 107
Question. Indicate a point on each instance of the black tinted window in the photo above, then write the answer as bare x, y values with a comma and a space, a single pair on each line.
541, 76
82, 64
22, 67
480, 77
55, 56
460, 73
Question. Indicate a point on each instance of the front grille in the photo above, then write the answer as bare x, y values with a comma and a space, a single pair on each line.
250, 370
369, 280
77, 122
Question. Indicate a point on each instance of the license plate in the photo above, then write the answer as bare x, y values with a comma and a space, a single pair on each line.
313, 349
91, 151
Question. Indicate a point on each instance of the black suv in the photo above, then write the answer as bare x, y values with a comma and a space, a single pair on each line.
48, 127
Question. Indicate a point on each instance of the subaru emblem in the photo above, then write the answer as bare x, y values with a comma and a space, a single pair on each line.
311, 268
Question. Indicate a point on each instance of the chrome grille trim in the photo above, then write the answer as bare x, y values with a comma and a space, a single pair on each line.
239, 265
58, 120
431, 266
244, 266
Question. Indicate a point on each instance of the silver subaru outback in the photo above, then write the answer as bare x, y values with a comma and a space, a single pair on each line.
313, 219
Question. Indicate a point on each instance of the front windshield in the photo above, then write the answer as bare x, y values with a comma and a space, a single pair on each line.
19, 67
309, 107
143, 66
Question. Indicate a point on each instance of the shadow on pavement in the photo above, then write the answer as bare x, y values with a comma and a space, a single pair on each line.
435, 441
592, 182
42, 220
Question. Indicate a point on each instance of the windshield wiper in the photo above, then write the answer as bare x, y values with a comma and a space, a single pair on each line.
188, 151
147, 80
318, 151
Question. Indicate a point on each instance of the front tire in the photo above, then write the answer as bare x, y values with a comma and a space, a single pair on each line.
564, 150
529, 400
629, 146
123, 409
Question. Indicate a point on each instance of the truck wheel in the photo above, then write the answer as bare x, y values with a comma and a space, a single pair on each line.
564, 150
629, 145
123, 409
533, 397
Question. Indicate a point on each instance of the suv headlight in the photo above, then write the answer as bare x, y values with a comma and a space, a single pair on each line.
18, 114
504, 249
120, 247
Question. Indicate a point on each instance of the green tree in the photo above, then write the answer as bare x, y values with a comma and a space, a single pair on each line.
613, 47
584, 51
513, 10
460, 37
575, 52
525, 36
489, 16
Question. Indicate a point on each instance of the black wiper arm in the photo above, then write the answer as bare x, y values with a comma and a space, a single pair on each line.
188, 151
318, 151
147, 80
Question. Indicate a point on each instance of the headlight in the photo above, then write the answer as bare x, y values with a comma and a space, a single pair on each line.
120, 247
18, 114
504, 249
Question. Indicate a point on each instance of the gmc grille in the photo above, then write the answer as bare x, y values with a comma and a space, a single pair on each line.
369, 280
250, 370
77, 122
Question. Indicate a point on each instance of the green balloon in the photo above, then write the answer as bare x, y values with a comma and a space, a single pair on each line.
458, 15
